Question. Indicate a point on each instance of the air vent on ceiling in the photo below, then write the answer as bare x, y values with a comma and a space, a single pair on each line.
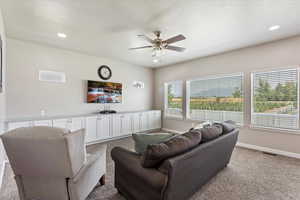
50, 76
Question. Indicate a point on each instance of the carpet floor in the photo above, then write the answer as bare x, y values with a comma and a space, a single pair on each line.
251, 175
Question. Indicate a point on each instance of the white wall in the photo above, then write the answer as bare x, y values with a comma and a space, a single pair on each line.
279, 54
27, 96
2, 95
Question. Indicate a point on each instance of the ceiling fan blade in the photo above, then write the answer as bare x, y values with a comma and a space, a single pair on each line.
144, 47
175, 39
174, 48
146, 38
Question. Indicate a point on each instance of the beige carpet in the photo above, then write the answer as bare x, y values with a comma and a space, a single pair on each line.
251, 175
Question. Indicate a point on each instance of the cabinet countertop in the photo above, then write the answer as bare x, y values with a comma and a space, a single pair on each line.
53, 117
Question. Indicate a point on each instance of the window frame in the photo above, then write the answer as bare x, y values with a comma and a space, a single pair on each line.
247, 81
280, 129
209, 77
166, 101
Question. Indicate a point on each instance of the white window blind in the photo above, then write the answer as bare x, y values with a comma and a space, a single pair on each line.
218, 99
275, 99
173, 99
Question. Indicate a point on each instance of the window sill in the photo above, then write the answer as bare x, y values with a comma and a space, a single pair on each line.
174, 118
243, 126
277, 130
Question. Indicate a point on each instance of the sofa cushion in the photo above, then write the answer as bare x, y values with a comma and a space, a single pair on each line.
141, 141
211, 132
157, 153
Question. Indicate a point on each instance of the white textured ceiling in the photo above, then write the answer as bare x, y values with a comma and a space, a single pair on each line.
109, 27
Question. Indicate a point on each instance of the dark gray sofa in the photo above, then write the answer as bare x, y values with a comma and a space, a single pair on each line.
177, 178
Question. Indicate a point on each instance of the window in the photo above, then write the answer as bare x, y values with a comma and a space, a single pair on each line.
173, 99
275, 99
218, 99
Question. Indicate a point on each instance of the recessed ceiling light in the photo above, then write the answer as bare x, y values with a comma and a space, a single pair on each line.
274, 28
61, 35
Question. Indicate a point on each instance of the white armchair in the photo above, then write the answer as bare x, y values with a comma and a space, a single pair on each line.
50, 163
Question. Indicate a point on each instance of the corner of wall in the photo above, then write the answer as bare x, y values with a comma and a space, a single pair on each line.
153, 89
2, 98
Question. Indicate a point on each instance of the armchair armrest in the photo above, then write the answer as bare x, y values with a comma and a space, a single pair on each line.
94, 153
91, 159
89, 174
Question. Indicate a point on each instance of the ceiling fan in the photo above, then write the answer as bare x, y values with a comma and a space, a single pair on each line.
158, 44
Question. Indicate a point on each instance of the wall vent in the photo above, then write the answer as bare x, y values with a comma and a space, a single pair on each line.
50, 76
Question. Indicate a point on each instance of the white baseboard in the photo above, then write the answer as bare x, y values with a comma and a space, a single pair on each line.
269, 150
2, 170
171, 130
108, 140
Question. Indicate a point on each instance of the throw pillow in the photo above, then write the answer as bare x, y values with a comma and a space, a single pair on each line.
157, 153
211, 132
227, 126
141, 141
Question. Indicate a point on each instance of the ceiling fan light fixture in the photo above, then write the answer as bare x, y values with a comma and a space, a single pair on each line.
159, 46
157, 52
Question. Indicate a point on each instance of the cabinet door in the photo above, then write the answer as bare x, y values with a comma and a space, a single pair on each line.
144, 121
43, 123
151, 117
136, 123
91, 129
126, 124
103, 127
116, 125
15, 125
61, 123
76, 124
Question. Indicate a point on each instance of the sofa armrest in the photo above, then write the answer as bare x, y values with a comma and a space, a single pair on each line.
128, 163
122, 155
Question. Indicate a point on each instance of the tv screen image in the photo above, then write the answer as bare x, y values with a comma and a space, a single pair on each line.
104, 92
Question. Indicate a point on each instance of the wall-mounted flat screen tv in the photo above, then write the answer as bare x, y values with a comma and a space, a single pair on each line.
104, 92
